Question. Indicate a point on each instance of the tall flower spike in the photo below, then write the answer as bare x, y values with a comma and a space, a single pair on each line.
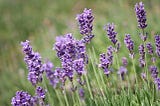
85, 20
33, 62
150, 48
122, 71
71, 52
106, 60
157, 43
124, 61
47, 67
154, 72
40, 92
157, 82
141, 15
142, 56
129, 44
111, 33
22, 99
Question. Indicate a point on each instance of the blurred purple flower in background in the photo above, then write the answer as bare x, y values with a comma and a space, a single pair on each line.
141, 15
124, 61
129, 44
142, 56
157, 43
149, 48
154, 72
33, 62
122, 71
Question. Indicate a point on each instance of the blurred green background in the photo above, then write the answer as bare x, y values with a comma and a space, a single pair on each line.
40, 21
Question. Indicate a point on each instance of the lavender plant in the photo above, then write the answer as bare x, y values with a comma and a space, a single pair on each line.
72, 81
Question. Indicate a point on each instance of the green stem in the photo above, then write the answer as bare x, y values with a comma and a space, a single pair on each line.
65, 97
48, 94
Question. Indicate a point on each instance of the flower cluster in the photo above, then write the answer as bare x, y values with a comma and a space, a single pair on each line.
157, 82
154, 72
142, 55
85, 20
149, 48
157, 43
22, 99
111, 33
25, 99
129, 44
141, 15
33, 62
106, 60
40, 92
72, 54
122, 71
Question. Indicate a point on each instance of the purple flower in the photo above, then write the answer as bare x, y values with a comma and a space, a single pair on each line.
60, 75
150, 48
122, 71
85, 20
106, 60
22, 99
129, 44
79, 66
143, 75
153, 59
111, 33
143, 37
141, 15
87, 38
81, 93
40, 92
124, 61
47, 67
33, 62
70, 50
142, 56
154, 72
157, 82
157, 43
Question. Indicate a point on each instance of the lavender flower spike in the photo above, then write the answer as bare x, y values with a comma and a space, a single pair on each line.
40, 92
122, 71
85, 20
157, 82
141, 15
150, 48
157, 43
47, 67
129, 44
111, 33
106, 60
22, 99
33, 62
142, 56
154, 72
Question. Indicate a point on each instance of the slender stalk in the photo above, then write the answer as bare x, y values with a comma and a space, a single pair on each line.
65, 97
48, 94
134, 69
